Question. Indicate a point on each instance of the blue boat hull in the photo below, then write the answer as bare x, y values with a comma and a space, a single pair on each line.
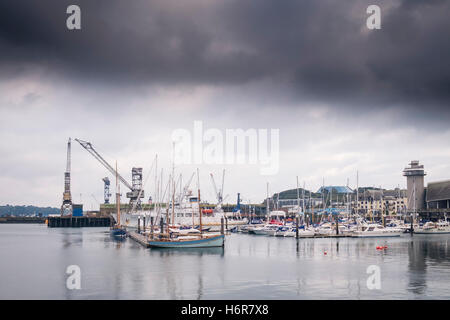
217, 241
118, 232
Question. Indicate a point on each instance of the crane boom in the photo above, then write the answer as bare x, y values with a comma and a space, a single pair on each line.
68, 156
88, 146
215, 188
186, 187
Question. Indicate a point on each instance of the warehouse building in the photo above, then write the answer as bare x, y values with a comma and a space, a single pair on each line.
438, 197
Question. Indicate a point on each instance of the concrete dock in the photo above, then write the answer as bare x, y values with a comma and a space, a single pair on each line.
139, 238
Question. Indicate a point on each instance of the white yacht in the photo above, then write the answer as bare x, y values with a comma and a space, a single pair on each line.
441, 227
325, 229
375, 230
267, 230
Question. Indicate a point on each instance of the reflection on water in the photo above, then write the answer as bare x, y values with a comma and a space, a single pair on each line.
35, 258
432, 250
161, 252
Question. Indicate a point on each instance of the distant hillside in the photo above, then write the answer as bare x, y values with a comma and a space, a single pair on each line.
292, 194
27, 210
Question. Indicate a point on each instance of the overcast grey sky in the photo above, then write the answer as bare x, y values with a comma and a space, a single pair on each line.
345, 98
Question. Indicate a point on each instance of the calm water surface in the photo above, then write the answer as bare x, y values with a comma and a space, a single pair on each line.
34, 258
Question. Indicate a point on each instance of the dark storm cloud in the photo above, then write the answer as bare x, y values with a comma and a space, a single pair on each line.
321, 49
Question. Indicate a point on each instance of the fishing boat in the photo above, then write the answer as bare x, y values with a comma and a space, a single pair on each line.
441, 227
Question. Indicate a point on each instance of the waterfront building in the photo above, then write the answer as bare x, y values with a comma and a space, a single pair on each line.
375, 201
415, 174
437, 197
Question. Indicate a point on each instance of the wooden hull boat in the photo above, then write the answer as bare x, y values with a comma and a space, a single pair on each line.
189, 242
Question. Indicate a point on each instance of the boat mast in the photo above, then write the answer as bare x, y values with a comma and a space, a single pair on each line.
331, 204
173, 182
168, 205
357, 193
268, 203
381, 206
347, 204
173, 202
298, 197
414, 214
199, 208
117, 198
303, 198
324, 200
311, 205
155, 201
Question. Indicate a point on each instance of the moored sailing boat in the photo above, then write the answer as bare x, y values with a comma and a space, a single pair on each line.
174, 240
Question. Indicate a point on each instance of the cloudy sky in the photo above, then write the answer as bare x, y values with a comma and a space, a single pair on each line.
345, 98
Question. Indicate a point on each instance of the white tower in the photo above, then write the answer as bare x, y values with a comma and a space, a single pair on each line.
414, 180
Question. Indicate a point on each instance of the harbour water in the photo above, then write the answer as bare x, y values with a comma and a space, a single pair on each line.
34, 260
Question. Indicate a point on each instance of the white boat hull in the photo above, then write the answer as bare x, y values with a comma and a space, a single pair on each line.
358, 234
432, 231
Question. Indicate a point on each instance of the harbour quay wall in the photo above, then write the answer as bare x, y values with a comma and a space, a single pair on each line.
19, 219
79, 222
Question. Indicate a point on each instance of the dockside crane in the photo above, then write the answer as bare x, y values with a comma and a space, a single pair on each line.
136, 193
219, 193
185, 192
66, 208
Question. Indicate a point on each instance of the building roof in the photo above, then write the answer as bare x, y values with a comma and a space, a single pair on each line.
335, 189
395, 193
438, 190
